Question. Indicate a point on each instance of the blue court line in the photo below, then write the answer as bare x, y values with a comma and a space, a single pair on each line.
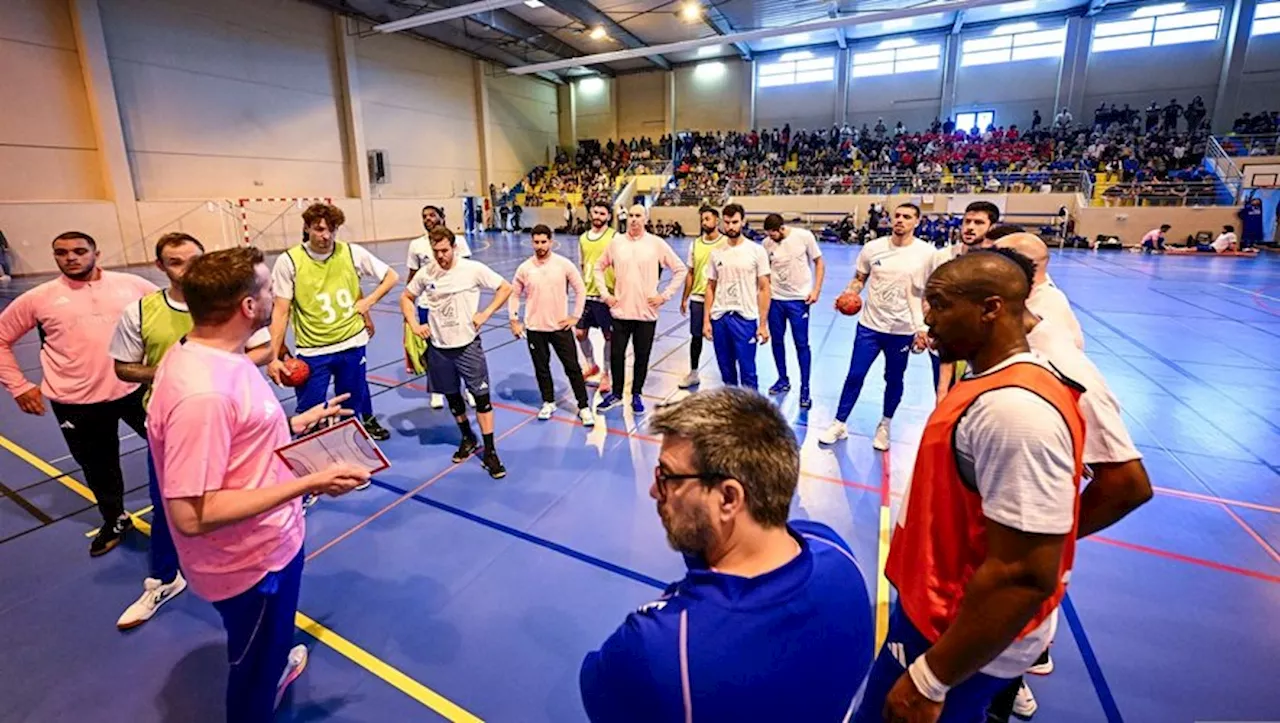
540, 541
1105, 697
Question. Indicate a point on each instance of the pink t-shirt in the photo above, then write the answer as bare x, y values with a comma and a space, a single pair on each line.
547, 285
77, 319
635, 263
214, 424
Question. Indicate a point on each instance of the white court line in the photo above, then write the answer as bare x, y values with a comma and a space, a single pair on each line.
1250, 292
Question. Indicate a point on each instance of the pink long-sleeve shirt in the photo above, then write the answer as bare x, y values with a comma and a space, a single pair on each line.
76, 320
547, 285
635, 263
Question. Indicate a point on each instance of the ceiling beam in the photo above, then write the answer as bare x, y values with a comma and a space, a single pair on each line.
517, 28
1095, 7
591, 16
958, 24
841, 38
752, 35
718, 22
439, 16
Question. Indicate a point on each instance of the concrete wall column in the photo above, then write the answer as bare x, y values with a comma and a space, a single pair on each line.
113, 157
357, 165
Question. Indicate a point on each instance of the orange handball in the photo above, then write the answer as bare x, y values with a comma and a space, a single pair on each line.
849, 304
296, 372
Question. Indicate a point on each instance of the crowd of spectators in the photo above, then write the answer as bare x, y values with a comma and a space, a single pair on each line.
593, 170
1126, 148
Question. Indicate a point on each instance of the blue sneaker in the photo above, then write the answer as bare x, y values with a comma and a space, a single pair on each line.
805, 401
782, 386
637, 404
610, 401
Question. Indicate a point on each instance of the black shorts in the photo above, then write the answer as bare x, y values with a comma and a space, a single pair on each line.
596, 314
445, 366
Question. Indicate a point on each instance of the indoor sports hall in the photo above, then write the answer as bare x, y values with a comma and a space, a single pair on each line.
439, 593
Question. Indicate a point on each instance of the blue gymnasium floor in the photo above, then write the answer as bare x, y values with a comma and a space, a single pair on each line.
442, 594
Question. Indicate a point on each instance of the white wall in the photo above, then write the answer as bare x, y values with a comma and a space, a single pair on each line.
47, 144
1260, 84
642, 105
1012, 90
523, 124
594, 100
913, 98
1141, 75
419, 105
713, 95
227, 99
806, 106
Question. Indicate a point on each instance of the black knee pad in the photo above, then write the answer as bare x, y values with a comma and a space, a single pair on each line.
483, 404
457, 404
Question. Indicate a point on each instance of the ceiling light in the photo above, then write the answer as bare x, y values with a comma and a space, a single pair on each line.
534, 3
897, 23
598, 33
707, 51
691, 11
709, 70
591, 85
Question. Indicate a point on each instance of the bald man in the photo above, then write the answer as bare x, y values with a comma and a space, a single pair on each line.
634, 299
1046, 301
982, 552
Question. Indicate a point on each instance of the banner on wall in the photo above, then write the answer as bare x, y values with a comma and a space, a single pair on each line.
956, 204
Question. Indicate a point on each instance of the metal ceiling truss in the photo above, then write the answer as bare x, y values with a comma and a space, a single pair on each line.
720, 24
842, 21
592, 16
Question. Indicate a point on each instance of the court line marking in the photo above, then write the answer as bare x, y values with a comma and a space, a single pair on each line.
1255, 294
393, 676
407, 495
1221, 567
388, 674
882, 553
1105, 697
1253, 533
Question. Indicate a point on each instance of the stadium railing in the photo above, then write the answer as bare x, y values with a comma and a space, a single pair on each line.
905, 182
1162, 193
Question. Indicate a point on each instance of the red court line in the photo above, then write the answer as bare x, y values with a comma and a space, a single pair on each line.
365, 522
883, 489
1254, 534
1215, 500
1185, 558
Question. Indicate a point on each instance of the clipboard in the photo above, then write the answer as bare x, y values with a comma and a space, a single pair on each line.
346, 441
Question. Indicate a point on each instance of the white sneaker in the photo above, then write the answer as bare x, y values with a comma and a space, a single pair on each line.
1024, 703
548, 408
836, 432
154, 594
437, 401
588, 419
881, 441
297, 664
1043, 664
690, 380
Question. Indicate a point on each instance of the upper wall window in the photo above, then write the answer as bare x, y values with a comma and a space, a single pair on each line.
1266, 19
890, 57
1167, 24
795, 68
1012, 42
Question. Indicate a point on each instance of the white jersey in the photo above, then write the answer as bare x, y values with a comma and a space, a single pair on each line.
452, 297
1048, 302
896, 277
790, 260
1017, 449
736, 271
420, 255
1106, 438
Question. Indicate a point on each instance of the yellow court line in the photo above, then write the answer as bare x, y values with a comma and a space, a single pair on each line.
394, 677
349, 650
882, 584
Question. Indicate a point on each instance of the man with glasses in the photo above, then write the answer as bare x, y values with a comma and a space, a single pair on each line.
768, 607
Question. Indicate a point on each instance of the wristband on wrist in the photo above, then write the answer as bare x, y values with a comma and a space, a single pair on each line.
926, 682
